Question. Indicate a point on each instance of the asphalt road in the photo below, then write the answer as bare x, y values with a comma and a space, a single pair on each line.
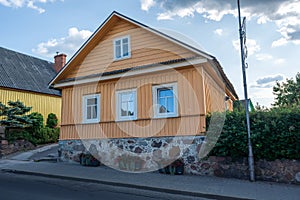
16, 187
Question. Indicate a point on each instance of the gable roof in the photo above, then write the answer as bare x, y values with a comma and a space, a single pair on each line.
115, 15
22, 72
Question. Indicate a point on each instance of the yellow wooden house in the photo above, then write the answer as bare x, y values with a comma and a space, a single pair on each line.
26, 78
133, 85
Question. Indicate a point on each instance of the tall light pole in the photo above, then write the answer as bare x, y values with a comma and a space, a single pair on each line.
242, 31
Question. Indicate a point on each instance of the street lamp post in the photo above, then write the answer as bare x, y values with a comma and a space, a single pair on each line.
242, 32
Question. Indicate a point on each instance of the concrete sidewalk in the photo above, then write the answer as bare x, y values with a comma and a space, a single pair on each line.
198, 186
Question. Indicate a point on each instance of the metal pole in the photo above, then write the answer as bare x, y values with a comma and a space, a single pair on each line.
250, 153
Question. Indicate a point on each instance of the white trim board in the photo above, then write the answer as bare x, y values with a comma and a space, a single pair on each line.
132, 73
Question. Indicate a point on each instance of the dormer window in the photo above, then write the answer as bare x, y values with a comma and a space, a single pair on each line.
122, 48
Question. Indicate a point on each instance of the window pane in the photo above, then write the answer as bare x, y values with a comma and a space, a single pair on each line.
94, 114
166, 92
170, 104
130, 108
124, 109
118, 51
162, 105
125, 40
118, 43
92, 101
89, 112
125, 50
127, 97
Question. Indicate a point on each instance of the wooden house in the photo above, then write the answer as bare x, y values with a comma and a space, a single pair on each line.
25, 78
130, 82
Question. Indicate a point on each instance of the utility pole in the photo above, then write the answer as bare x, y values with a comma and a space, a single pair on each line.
242, 31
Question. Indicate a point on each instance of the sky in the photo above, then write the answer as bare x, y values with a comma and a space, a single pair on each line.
41, 28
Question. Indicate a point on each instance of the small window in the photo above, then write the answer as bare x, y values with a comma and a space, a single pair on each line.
165, 100
126, 105
122, 48
91, 108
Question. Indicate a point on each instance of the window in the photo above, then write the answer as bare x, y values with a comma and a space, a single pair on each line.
165, 100
126, 105
122, 48
91, 108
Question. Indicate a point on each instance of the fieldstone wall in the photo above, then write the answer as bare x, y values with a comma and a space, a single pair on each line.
154, 153
283, 171
18, 145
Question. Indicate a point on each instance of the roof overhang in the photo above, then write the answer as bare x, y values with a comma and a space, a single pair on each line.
131, 72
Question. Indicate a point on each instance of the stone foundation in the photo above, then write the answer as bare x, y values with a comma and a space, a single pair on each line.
153, 153
149, 154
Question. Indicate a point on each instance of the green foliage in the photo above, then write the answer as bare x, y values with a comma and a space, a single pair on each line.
46, 135
37, 121
287, 93
28, 127
275, 134
43, 136
14, 115
51, 121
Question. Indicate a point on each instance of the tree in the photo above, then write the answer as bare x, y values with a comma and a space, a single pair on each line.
14, 115
287, 93
51, 121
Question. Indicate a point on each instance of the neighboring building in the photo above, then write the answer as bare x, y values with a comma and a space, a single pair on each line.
26, 78
131, 81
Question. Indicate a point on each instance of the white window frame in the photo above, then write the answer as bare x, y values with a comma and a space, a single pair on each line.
121, 43
156, 106
118, 105
84, 108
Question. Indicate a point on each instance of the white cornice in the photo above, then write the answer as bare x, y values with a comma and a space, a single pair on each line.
157, 68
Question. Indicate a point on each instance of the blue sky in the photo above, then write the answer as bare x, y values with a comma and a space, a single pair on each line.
42, 27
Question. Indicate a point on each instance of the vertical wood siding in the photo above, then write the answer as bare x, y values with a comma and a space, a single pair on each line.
191, 100
146, 48
43, 104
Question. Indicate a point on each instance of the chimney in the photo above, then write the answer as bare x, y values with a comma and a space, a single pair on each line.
59, 61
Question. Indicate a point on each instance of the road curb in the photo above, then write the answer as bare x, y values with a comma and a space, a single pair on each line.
127, 185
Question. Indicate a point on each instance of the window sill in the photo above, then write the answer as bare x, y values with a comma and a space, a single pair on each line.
123, 58
126, 120
90, 122
165, 116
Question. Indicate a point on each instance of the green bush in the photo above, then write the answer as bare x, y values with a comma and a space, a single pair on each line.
37, 121
44, 135
14, 135
275, 134
47, 135
51, 121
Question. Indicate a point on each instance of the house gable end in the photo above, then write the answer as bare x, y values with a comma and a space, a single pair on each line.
148, 46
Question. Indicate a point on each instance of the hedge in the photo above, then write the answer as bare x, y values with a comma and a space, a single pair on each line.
275, 134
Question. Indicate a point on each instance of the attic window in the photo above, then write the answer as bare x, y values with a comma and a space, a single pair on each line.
122, 48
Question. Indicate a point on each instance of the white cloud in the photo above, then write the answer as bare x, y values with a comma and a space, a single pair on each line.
147, 4
252, 46
28, 3
67, 45
165, 16
280, 42
279, 61
34, 7
285, 14
218, 32
263, 57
